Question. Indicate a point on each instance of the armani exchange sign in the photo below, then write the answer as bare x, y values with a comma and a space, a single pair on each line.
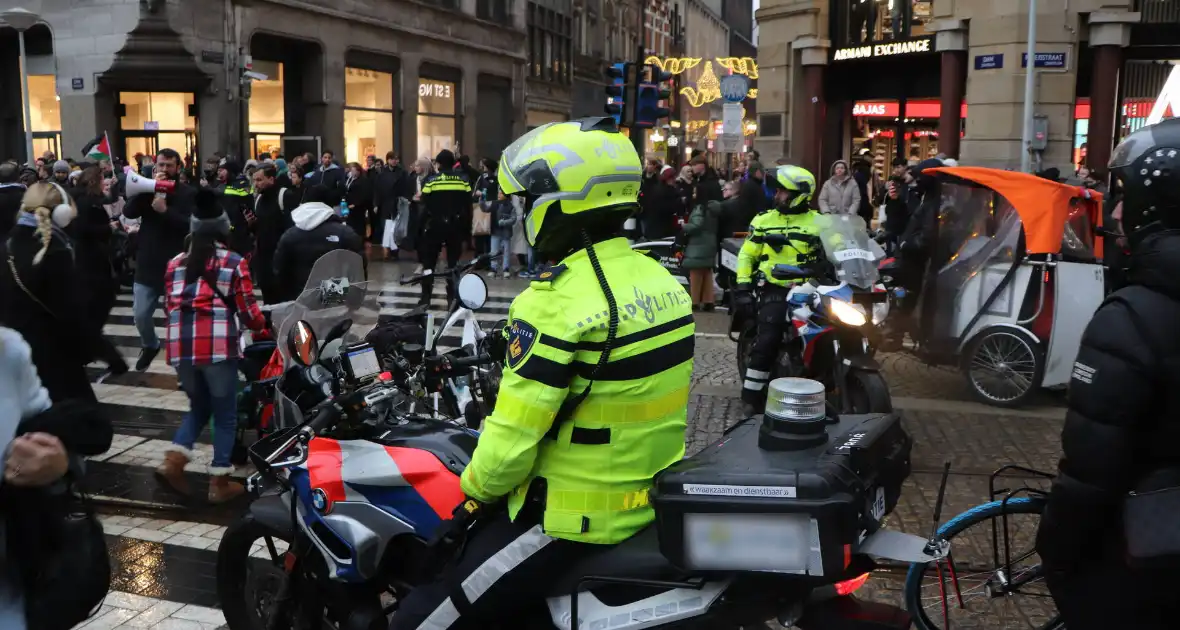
885, 50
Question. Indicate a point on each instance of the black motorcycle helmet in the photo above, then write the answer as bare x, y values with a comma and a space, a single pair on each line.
1147, 166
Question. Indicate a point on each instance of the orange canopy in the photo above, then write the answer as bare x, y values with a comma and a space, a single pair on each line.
1043, 204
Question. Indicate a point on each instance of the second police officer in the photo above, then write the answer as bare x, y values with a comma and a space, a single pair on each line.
446, 197
792, 218
594, 397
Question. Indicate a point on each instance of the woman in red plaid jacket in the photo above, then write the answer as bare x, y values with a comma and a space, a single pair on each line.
208, 292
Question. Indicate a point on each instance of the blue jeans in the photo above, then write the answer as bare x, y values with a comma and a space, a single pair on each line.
502, 246
144, 302
212, 391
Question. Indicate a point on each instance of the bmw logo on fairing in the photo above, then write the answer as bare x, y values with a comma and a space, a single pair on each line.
319, 500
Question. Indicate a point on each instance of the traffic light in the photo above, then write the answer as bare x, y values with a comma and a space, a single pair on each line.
622, 80
648, 111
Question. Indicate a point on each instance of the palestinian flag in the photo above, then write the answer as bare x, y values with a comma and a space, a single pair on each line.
99, 148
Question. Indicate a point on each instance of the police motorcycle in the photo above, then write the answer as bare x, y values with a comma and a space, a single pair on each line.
834, 314
468, 396
780, 519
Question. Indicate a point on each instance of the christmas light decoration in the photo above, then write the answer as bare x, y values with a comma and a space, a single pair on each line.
707, 90
674, 65
739, 65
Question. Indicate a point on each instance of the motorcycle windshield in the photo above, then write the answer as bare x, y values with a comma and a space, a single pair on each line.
847, 246
335, 290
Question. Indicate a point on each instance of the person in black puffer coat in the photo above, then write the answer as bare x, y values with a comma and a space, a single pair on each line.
11, 191
317, 231
1123, 421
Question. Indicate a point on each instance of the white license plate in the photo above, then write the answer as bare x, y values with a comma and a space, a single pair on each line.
747, 542
729, 260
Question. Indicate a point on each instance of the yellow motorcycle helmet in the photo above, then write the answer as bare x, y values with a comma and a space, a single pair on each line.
797, 180
571, 168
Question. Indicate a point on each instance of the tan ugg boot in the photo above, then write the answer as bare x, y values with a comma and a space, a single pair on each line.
222, 489
171, 472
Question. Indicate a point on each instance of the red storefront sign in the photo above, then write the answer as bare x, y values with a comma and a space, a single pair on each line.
1139, 108
891, 109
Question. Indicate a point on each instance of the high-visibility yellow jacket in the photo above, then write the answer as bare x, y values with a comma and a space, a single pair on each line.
757, 255
597, 466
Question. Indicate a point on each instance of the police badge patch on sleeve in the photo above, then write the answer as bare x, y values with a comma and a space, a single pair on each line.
521, 337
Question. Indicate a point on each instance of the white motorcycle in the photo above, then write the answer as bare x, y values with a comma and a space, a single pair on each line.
472, 396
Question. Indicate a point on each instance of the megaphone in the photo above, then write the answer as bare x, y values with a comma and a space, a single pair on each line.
137, 185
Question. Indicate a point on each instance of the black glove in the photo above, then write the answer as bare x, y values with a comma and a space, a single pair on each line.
743, 300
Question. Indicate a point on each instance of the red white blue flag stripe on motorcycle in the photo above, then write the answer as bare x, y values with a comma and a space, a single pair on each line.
367, 472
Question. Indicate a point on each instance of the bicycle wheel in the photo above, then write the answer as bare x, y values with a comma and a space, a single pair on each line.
978, 587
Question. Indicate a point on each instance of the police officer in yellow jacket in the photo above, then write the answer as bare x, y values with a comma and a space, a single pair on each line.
793, 229
594, 397
446, 219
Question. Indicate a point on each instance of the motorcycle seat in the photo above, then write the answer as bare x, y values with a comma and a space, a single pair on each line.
636, 557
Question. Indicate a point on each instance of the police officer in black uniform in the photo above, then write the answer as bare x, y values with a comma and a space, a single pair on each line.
1122, 430
446, 197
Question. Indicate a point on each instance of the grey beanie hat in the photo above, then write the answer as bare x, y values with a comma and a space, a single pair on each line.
61, 166
209, 218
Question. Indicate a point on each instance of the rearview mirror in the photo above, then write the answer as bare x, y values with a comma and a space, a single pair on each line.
302, 345
473, 292
789, 272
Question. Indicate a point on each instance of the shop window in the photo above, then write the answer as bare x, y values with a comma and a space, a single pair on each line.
44, 105
368, 114
436, 116
267, 113
871, 21
158, 120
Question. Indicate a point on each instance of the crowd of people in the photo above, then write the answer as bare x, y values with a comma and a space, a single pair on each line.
198, 245
203, 239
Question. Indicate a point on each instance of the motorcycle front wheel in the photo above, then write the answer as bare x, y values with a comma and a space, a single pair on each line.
252, 577
866, 392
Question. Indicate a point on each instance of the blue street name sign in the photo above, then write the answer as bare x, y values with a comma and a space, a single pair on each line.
989, 62
1046, 59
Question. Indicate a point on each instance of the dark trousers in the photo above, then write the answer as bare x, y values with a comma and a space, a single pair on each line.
504, 572
772, 323
429, 250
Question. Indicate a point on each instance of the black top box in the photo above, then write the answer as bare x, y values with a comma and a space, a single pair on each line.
738, 507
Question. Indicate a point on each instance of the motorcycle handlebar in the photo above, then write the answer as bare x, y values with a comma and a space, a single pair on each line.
323, 416
469, 362
454, 271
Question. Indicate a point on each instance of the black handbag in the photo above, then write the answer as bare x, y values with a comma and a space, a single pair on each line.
1149, 526
54, 543
60, 554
